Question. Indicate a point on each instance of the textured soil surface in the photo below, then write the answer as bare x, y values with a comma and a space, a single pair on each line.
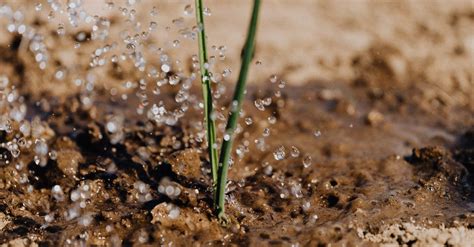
364, 136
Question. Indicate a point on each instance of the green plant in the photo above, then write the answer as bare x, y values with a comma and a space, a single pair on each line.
209, 116
220, 170
235, 107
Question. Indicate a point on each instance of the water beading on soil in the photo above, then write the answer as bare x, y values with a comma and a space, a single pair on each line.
357, 127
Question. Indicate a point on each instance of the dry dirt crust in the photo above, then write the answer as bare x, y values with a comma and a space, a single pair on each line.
357, 129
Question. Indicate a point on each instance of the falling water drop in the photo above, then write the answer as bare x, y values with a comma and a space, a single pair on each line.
279, 153
307, 161
295, 152
188, 10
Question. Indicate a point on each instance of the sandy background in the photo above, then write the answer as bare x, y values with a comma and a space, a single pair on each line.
430, 43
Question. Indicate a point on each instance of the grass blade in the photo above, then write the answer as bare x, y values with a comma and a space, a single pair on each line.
235, 107
209, 116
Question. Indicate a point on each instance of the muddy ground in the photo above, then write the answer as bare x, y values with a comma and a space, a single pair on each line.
374, 117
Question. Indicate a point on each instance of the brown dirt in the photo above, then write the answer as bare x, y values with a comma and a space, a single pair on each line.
391, 142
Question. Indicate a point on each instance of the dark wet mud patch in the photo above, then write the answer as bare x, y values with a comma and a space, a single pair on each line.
152, 188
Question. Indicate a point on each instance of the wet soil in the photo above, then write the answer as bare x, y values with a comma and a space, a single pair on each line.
364, 174
391, 162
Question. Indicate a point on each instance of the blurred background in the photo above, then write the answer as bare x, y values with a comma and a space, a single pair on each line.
430, 43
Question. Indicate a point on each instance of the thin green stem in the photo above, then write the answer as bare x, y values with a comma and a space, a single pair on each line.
209, 116
235, 107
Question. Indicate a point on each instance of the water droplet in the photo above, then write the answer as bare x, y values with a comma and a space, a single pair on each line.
38, 6
259, 104
296, 190
41, 148
313, 218
267, 101
58, 193
165, 68
109, 5
53, 155
174, 213
169, 190
131, 46
273, 78
268, 170
11, 28
306, 206
59, 75
51, 15
4, 81
295, 152
178, 21
188, 10
279, 153
86, 219
207, 11
226, 72
317, 133
248, 120
21, 29
272, 119
112, 127
154, 11
307, 161
174, 79
153, 25
14, 149
282, 84
176, 43
266, 132
49, 218
61, 30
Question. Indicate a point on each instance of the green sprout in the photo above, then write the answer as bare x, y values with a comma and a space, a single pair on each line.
209, 116
220, 170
